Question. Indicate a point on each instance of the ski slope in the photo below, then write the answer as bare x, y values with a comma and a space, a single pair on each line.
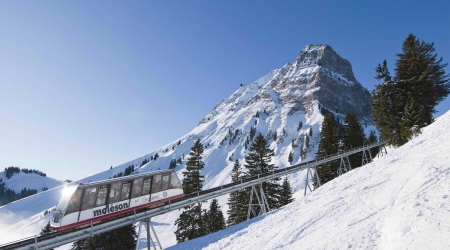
400, 201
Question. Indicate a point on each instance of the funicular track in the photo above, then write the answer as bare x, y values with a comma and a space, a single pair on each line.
52, 240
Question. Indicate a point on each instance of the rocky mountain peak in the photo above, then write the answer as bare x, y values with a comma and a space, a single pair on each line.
324, 56
284, 106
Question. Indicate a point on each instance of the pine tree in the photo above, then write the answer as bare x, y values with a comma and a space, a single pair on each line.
329, 144
290, 157
46, 229
427, 81
258, 162
300, 125
387, 107
372, 139
214, 218
121, 238
353, 137
286, 193
420, 78
193, 181
238, 200
190, 224
306, 141
411, 118
310, 131
304, 148
173, 164
252, 133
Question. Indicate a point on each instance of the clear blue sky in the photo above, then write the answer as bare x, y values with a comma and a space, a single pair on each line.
89, 84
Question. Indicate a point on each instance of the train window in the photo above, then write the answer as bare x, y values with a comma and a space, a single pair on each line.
156, 186
57, 215
114, 193
67, 193
125, 190
174, 181
101, 195
74, 203
165, 182
137, 187
88, 198
147, 182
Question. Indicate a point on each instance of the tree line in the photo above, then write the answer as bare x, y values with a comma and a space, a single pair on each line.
8, 195
195, 221
10, 171
336, 136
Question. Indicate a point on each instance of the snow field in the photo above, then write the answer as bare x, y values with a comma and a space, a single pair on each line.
400, 201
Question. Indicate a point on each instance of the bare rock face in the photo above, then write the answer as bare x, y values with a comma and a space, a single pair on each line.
326, 57
320, 74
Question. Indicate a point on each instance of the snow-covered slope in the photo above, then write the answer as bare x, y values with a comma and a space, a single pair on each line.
274, 104
400, 201
26, 217
21, 180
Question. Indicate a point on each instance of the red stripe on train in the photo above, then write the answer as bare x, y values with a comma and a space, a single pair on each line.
114, 214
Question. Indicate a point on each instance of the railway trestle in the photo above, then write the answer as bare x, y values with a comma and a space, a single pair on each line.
56, 239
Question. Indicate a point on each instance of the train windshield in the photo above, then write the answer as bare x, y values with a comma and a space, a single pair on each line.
62, 203
66, 194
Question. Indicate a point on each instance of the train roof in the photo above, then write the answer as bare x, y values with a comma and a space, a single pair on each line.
124, 178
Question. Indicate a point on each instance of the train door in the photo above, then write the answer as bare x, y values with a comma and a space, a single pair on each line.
146, 189
164, 185
175, 188
156, 188
114, 193
87, 203
136, 193
100, 207
118, 196
125, 193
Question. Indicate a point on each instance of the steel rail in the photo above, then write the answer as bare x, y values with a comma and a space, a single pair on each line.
53, 240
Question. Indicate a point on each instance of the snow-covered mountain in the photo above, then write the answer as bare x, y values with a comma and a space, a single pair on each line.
274, 105
399, 201
21, 180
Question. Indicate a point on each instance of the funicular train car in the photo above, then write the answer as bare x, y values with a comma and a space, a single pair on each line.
82, 204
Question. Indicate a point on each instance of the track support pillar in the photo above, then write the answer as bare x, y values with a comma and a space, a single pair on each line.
312, 179
344, 166
151, 233
262, 207
382, 150
365, 157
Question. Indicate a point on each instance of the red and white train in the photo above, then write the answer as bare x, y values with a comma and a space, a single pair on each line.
102, 200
